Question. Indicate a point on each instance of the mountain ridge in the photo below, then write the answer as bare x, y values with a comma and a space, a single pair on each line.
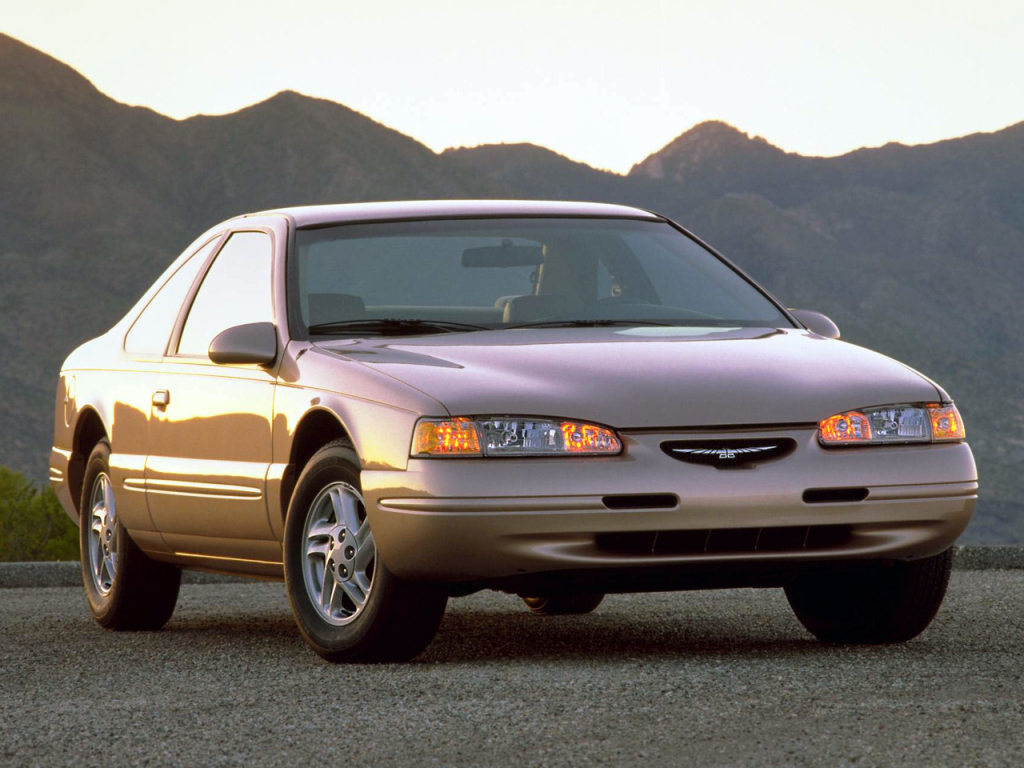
911, 249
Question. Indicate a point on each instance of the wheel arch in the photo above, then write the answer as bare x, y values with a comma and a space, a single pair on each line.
90, 428
317, 427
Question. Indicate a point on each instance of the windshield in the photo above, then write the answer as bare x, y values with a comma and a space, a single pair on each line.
462, 275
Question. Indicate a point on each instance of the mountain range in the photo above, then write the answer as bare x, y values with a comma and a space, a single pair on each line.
916, 251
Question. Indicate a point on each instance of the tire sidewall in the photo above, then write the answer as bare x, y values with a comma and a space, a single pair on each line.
331, 465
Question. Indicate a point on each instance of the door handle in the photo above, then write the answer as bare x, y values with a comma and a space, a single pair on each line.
161, 398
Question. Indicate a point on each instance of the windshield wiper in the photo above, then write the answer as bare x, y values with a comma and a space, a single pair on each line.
393, 325
584, 323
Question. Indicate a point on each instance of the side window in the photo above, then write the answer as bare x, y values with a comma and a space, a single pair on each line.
235, 291
152, 328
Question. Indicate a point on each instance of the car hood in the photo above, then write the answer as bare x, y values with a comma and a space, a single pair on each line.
643, 377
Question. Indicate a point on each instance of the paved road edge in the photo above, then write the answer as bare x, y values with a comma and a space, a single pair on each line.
29, 575
58, 574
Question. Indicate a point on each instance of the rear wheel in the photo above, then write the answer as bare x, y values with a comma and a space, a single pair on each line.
877, 605
564, 604
348, 606
125, 589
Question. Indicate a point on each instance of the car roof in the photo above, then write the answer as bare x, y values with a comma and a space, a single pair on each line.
323, 215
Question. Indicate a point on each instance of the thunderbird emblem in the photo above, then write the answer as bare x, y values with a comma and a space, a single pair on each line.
724, 454
733, 453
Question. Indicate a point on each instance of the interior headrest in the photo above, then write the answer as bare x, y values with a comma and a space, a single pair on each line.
527, 309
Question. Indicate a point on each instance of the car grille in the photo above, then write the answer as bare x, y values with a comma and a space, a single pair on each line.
733, 453
727, 541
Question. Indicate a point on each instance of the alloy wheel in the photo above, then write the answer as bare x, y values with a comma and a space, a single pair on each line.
340, 554
103, 535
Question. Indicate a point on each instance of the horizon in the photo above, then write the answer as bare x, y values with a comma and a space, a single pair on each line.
750, 136
819, 82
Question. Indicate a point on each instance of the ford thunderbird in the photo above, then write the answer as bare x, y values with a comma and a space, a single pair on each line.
389, 405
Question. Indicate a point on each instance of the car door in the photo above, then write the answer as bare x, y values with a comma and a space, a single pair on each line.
211, 425
131, 388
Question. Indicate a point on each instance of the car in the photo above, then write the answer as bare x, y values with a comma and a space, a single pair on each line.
388, 405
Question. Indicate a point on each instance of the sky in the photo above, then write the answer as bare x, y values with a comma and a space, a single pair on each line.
606, 83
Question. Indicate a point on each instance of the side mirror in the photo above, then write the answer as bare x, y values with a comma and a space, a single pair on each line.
252, 344
816, 323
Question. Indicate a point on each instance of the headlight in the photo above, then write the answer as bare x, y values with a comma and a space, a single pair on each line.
512, 436
893, 424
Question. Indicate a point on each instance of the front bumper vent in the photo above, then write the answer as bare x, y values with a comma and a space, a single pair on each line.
834, 495
642, 501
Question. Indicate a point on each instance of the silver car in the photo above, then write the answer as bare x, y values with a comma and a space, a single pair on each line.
389, 405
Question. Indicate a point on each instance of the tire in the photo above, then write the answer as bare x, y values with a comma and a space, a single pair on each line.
570, 604
396, 619
125, 589
879, 605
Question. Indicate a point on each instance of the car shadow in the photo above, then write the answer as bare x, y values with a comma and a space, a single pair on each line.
490, 627
611, 638
518, 636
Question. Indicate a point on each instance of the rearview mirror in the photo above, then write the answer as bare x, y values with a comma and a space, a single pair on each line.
816, 322
504, 255
251, 344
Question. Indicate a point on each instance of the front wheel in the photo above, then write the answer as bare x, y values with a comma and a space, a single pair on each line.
348, 606
875, 605
125, 589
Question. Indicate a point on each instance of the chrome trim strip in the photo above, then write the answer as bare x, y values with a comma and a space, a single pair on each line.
912, 492
231, 559
185, 488
497, 504
526, 504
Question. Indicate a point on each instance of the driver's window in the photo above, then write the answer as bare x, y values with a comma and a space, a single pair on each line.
235, 291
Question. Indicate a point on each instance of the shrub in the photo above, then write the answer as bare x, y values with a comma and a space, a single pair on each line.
33, 525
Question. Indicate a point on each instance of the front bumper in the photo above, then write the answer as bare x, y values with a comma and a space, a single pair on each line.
484, 520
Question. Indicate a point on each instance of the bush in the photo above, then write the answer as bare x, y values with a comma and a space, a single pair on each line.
33, 524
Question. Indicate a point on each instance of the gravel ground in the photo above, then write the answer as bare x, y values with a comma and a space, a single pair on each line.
712, 678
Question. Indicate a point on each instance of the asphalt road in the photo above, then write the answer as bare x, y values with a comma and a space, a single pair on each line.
715, 678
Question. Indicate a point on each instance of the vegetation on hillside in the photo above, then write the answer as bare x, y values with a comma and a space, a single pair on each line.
33, 525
